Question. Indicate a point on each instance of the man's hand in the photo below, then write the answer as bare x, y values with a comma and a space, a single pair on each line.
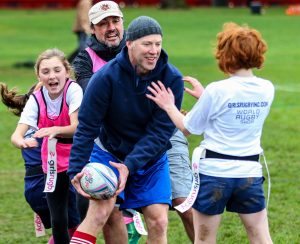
123, 175
76, 183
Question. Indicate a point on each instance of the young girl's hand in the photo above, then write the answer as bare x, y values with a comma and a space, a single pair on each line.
197, 88
31, 142
161, 95
51, 132
26, 143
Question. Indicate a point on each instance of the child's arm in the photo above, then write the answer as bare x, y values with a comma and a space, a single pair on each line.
164, 98
18, 140
62, 131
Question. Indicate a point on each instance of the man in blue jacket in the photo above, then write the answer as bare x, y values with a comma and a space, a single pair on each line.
134, 132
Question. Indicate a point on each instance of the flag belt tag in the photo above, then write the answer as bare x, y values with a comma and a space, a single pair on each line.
189, 201
51, 166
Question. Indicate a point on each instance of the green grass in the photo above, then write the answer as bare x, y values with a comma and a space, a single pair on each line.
188, 38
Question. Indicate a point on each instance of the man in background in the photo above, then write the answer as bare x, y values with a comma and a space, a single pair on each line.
81, 26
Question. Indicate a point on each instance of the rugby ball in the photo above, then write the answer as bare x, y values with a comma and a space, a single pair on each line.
99, 181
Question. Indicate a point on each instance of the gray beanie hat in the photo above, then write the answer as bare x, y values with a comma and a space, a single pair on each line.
142, 26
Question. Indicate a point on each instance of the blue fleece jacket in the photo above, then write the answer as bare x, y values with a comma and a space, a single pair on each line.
132, 127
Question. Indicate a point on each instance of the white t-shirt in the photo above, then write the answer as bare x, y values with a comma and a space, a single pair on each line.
230, 113
29, 115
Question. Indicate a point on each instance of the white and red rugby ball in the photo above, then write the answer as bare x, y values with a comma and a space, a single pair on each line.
99, 181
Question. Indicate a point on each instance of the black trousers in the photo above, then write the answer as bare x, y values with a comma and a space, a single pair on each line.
58, 206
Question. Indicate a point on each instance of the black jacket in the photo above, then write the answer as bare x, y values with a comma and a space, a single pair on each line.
83, 65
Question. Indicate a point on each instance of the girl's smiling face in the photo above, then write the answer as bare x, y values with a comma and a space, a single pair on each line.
53, 74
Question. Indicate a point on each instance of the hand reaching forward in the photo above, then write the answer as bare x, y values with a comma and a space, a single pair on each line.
197, 88
27, 143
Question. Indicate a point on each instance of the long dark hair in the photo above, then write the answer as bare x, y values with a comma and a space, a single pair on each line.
14, 101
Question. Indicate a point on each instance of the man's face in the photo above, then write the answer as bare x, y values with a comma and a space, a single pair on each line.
109, 31
144, 52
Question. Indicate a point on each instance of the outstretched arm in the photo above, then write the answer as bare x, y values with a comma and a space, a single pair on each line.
63, 131
164, 98
18, 139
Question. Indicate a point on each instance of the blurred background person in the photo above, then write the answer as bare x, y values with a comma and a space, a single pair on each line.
81, 26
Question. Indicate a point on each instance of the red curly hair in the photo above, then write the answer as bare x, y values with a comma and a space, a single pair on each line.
239, 47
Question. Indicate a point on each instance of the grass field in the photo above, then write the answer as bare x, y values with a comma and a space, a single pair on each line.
188, 38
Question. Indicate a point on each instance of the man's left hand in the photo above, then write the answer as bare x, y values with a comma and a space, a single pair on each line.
123, 175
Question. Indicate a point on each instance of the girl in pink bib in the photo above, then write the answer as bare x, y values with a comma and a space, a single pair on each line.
52, 111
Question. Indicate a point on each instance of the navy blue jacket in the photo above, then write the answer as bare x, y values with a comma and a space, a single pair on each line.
132, 127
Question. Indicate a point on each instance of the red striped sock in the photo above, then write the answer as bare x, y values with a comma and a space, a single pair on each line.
82, 238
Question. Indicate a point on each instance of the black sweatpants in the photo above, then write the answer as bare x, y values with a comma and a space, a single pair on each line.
58, 206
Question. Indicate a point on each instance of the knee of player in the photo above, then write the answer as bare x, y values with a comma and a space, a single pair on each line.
99, 219
251, 230
159, 224
204, 233
115, 217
